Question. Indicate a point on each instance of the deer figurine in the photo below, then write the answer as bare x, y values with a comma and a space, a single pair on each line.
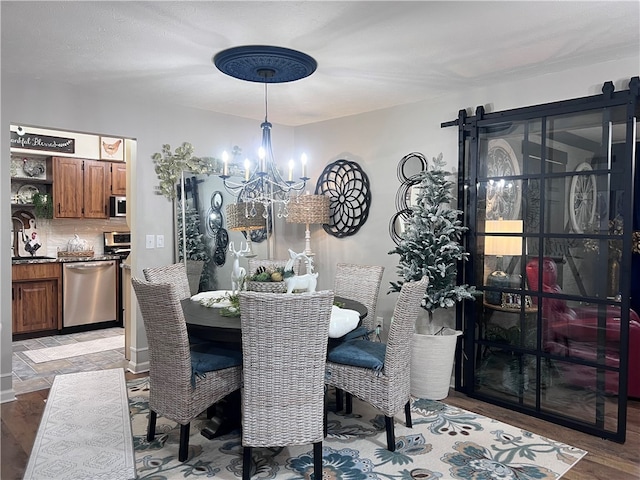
306, 282
238, 273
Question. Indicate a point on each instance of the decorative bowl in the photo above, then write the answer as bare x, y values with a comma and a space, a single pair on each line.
267, 287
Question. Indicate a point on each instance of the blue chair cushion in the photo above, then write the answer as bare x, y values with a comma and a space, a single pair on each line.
359, 333
359, 353
211, 356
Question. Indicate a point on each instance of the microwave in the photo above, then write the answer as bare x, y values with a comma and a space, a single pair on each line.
117, 206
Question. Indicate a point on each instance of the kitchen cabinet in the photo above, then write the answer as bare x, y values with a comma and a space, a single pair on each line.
80, 188
118, 178
36, 295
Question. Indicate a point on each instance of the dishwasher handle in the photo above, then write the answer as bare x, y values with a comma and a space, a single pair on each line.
89, 265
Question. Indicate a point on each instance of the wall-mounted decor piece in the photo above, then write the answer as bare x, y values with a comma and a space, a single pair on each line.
111, 148
36, 141
349, 189
503, 194
582, 199
213, 226
409, 169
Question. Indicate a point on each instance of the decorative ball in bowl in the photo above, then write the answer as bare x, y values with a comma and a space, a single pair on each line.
267, 280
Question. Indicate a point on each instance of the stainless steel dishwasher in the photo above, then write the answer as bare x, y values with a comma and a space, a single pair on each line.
89, 291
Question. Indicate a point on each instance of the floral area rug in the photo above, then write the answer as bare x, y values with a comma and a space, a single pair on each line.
445, 443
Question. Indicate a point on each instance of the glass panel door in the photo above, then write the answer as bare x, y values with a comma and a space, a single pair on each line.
549, 203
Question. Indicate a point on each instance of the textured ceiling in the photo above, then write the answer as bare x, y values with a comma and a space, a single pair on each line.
370, 55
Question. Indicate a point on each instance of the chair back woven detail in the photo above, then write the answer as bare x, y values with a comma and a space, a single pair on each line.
175, 274
388, 390
397, 360
171, 393
254, 263
362, 284
284, 344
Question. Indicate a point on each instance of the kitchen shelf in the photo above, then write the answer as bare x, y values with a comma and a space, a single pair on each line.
41, 181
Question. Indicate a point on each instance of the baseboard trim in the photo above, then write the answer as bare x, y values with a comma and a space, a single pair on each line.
7, 394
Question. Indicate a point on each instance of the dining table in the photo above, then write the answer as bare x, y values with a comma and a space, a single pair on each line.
208, 323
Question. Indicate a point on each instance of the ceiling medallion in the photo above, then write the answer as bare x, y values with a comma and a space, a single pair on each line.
265, 64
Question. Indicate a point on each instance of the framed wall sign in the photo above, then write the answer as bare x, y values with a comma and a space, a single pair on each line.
111, 148
36, 141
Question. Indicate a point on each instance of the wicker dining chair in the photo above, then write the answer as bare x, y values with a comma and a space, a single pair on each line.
284, 345
176, 274
362, 284
379, 373
183, 382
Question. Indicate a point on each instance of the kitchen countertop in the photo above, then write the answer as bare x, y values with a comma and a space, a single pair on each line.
95, 258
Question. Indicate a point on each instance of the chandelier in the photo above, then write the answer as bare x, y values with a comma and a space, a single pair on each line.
263, 182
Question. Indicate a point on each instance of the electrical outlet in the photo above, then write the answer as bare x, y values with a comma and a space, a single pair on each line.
151, 241
160, 241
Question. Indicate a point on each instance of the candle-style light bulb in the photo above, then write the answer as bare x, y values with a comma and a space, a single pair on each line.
225, 160
262, 155
303, 160
291, 170
246, 169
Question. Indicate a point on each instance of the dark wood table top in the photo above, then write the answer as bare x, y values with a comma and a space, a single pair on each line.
206, 322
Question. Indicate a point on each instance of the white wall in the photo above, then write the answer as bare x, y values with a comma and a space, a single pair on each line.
377, 141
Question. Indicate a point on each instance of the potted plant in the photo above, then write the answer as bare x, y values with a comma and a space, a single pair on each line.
195, 249
430, 246
43, 205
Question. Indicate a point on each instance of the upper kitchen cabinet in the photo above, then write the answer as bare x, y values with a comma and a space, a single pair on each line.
118, 178
80, 188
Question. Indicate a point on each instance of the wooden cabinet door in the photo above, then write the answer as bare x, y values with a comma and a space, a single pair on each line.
96, 185
118, 178
35, 306
67, 187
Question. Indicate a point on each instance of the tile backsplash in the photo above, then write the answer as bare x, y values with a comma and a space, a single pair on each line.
55, 234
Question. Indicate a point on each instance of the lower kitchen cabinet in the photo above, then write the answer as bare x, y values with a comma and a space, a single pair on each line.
36, 295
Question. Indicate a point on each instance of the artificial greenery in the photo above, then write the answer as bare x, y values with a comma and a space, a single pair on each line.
232, 310
42, 205
430, 245
169, 167
272, 274
195, 248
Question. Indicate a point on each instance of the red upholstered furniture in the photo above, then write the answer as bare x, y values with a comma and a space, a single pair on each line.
574, 332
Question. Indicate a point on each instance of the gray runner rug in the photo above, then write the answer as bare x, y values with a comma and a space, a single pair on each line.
75, 349
85, 431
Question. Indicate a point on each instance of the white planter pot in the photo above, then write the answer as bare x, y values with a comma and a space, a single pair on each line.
432, 363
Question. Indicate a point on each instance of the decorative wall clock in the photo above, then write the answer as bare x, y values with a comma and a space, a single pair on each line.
582, 199
348, 187
503, 194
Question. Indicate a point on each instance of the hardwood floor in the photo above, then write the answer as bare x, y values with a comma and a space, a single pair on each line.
606, 460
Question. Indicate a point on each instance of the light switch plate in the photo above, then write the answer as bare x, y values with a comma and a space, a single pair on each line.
151, 241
